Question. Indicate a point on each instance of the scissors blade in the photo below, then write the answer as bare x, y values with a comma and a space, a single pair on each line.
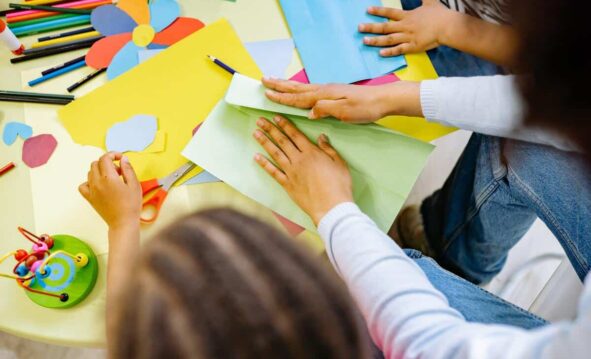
169, 181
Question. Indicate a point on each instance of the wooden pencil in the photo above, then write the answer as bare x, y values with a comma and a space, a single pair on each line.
57, 46
63, 40
55, 51
65, 64
86, 79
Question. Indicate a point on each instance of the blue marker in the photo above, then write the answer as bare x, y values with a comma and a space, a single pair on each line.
57, 73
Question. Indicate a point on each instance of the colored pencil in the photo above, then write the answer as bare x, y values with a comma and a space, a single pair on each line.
64, 34
57, 46
16, 25
65, 64
12, 19
57, 73
86, 79
36, 94
7, 168
80, 4
222, 65
15, 96
52, 25
56, 9
63, 40
81, 45
47, 2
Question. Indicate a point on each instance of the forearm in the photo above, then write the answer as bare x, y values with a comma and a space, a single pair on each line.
124, 244
492, 42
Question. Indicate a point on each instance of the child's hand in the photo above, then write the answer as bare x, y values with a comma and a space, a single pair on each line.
348, 103
411, 31
114, 192
315, 177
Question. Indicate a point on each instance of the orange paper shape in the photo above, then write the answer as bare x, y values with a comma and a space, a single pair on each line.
137, 9
178, 30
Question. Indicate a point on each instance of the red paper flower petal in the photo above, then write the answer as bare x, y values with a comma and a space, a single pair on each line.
178, 30
102, 52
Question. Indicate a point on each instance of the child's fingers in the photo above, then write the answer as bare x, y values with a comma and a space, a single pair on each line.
324, 144
326, 108
388, 12
84, 190
270, 168
106, 165
275, 152
287, 86
282, 141
381, 27
94, 175
401, 49
300, 100
127, 172
295, 135
386, 40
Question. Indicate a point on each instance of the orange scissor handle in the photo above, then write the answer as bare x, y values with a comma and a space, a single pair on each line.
149, 185
151, 207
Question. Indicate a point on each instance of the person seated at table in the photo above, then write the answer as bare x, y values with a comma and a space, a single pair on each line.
215, 284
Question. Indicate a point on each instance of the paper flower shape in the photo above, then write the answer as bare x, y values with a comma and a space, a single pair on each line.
132, 26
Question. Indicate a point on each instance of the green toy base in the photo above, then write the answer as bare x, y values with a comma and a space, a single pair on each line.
64, 277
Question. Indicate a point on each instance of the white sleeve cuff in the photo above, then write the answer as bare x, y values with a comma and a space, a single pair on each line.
429, 102
334, 216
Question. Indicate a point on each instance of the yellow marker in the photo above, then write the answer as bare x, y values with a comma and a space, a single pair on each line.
62, 40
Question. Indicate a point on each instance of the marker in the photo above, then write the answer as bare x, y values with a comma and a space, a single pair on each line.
6, 168
8, 39
222, 65
57, 73
65, 64
86, 79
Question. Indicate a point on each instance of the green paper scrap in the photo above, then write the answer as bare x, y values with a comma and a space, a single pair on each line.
384, 164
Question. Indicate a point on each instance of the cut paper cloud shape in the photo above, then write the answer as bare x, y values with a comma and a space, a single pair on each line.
12, 130
132, 26
37, 150
135, 134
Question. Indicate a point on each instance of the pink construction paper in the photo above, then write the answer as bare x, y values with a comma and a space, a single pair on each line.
292, 228
386, 79
37, 150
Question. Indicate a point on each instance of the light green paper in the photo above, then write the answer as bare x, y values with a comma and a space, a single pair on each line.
384, 164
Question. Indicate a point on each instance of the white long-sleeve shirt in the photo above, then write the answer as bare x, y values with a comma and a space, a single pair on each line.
491, 105
408, 318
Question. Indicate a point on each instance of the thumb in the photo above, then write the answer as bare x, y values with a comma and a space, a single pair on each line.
324, 108
324, 144
127, 171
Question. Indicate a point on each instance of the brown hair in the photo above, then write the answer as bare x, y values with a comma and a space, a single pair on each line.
219, 284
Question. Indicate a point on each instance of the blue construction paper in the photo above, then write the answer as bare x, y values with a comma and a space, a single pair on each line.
273, 57
135, 134
203, 177
124, 60
330, 46
144, 55
110, 20
12, 130
163, 13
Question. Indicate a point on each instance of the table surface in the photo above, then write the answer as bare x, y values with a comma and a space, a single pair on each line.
46, 199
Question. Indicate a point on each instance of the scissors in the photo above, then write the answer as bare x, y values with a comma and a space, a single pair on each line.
156, 190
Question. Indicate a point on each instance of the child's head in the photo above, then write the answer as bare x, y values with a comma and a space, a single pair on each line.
219, 284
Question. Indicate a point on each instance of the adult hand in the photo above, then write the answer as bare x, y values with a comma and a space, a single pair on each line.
113, 191
411, 31
314, 176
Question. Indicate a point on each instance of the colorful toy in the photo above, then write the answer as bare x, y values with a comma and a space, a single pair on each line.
58, 272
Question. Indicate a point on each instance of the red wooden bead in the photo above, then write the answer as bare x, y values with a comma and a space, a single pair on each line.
20, 254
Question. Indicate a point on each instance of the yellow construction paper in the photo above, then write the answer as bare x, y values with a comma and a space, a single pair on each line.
159, 143
180, 86
419, 68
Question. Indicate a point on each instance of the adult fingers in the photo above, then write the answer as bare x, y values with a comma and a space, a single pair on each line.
270, 168
387, 12
287, 86
381, 27
327, 108
84, 190
280, 139
106, 165
300, 100
386, 40
324, 144
275, 152
128, 173
292, 132
401, 49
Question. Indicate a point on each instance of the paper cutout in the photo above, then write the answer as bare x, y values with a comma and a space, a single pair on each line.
169, 86
203, 177
12, 130
273, 57
135, 134
163, 12
292, 228
37, 150
382, 80
159, 143
144, 55
331, 48
384, 165
122, 54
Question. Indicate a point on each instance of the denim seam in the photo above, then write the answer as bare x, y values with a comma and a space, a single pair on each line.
551, 218
490, 295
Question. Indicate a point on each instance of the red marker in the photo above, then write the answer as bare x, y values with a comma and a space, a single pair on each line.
8, 39
6, 168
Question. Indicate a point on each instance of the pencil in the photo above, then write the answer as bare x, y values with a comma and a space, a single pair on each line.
35, 97
16, 25
57, 73
52, 25
7, 168
84, 9
86, 79
55, 51
222, 65
64, 10
57, 46
65, 64
66, 39
36, 94
64, 34
79, 4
